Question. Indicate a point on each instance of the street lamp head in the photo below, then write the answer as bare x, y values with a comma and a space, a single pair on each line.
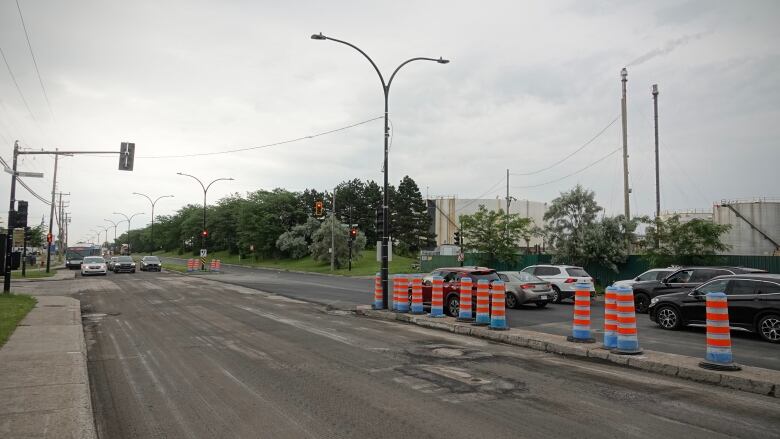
318, 36
442, 61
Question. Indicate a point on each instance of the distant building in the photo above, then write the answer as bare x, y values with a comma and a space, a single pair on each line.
755, 225
687, 215
445, 213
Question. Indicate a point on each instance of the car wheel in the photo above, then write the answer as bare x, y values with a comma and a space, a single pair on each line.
511, 300
453, 306
668, 317
556, 294
769, 328
641, 302
132, 271
541, 304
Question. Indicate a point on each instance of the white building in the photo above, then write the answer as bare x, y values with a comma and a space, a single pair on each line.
755, 226
446, 212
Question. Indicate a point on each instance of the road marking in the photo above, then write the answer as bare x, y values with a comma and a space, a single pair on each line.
303, 326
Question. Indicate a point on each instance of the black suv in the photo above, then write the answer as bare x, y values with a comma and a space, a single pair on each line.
685, 278
754, 304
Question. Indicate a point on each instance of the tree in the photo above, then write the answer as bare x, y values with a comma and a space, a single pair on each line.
493, 234
411, 223
568, 219
321, 241
693, 242
295, 242
35, 237
605, 241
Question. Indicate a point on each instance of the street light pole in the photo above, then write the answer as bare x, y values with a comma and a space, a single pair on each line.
128, 219
205, 191
152, 203
113, 224
385, 196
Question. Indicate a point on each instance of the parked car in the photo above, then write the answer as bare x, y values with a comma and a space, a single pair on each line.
150, 263
685, 278
124, 264
753, 299
652, 274
522, 288
93, 265
452, 277
562, 278
112, 261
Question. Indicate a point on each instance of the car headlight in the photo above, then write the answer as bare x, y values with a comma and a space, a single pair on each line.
653, 301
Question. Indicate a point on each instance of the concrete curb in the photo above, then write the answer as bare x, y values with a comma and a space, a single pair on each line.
46, 389
749, 379
280, 270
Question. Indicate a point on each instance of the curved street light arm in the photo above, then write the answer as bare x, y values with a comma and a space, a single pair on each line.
206, 189
196, 179
440, 61
381, 78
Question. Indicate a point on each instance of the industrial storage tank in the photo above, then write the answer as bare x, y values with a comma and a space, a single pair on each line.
755, 225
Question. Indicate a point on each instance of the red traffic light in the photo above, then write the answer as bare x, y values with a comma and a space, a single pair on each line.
353, 232
205, 234
318, 208
49, 238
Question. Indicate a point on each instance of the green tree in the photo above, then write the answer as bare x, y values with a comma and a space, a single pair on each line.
569, 218
604, 241
295, 242
321, 242
493, 234
36, 236
692, 242
411, 223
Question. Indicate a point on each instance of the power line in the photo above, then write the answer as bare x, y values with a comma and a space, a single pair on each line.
23, 184
569, 175
13, 77
35, 62
571, 154
283, 142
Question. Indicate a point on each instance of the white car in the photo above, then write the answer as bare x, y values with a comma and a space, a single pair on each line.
563, 278
654, 274
93, 265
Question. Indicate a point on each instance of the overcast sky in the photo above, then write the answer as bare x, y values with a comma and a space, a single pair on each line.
528, 84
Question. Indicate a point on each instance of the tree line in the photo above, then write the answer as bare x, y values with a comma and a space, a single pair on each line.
280, 224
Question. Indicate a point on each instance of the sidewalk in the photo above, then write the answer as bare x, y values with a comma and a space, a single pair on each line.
60, 274
45, 388
749, 379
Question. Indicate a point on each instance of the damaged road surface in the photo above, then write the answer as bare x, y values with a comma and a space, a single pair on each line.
172, 356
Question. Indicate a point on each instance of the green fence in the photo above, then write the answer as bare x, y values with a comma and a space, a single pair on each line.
634, 265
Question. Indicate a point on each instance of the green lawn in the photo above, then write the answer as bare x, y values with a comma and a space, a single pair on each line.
13, 308
174, 267
365, 266
32, 274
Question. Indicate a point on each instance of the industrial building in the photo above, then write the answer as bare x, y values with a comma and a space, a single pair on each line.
755, 226
445, 213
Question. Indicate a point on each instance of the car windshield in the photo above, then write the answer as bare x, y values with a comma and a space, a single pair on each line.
520, 276
578, 272
125, 259
151, 259
93, 260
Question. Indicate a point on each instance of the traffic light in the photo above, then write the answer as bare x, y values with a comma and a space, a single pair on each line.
126, 156
353, 233
49, 238
204, 233
457, 237
21, 214
318, 208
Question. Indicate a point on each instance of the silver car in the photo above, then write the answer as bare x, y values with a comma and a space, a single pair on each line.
522, 288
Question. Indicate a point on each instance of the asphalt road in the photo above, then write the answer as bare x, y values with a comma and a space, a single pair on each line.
344, 292
180, 356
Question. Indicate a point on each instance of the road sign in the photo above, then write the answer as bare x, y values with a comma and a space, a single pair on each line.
389, 251
18, 237
204, 253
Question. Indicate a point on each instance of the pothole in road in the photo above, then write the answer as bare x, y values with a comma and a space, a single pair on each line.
448, 351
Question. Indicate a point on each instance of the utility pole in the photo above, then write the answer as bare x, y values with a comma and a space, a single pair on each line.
51, 212
657, 174
626, 189
333, 233
11, 224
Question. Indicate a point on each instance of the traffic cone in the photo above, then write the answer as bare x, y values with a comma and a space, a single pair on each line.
377, 292
610, 318
627, 341
417, 296
219, 265
190, 265
213, 265
464, 312
437, 297
580, 328
718, 335
483, 303
498, 307
402, 293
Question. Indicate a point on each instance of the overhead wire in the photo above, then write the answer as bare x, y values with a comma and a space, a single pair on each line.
35, 62
16, 84
268, 145
23, 184
538, 171
571, 174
